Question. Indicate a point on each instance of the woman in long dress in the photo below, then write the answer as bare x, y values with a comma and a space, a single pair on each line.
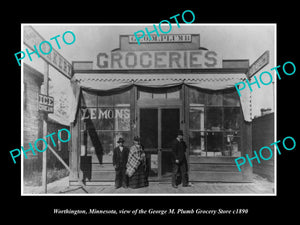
136, 166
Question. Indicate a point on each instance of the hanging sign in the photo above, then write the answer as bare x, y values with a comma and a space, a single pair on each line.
32, 39
46, 103
258, 64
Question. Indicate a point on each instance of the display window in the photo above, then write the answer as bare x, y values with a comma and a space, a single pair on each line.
214, 123
104, 118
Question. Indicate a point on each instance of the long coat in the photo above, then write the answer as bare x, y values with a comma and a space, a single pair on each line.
180, 170
120, 158
137, 168
178, 150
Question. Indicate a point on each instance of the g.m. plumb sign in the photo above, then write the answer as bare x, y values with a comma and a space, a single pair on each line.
162, 38
46, 103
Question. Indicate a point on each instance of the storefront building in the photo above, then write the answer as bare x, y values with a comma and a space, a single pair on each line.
152, 90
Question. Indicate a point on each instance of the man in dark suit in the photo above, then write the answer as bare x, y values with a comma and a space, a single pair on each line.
179, 160
120, 156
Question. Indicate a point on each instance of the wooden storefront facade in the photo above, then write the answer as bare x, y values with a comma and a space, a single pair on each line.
154, 103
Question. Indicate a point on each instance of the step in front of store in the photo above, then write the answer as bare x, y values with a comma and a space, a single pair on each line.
201, 169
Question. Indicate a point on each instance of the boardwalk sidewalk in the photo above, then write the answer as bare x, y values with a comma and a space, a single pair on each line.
259, 186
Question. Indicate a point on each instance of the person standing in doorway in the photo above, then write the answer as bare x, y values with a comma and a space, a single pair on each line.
179, 161
120, 157
136, 165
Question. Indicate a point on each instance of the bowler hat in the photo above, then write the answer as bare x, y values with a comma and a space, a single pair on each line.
121, 140
137, 138
179, 132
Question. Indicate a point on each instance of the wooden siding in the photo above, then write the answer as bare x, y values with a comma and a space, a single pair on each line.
213, 169
32, 123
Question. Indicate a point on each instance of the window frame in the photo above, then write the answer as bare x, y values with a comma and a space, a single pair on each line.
113, 132
223, 131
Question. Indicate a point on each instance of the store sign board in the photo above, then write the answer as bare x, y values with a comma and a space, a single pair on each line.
163, 38
109, 118
258, 64
105, 113
32, 38
128, 60
46, 103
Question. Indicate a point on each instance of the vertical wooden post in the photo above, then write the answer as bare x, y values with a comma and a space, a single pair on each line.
185, 118
134, 112
159, 156
45, 127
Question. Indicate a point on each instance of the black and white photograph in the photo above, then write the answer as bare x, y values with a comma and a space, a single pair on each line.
148, 112
168, 109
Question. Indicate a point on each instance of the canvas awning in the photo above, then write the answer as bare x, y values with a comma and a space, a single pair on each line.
103, 82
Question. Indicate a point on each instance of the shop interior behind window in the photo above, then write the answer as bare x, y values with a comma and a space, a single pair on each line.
104, 118
214, 123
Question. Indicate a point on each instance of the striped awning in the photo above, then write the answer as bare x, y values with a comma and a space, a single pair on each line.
211, 81
108, 81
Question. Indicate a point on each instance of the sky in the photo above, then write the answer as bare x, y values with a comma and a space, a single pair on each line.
231, 41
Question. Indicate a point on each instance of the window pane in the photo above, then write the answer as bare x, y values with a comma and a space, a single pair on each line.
159, 95
197, 143
88, 118
106, 118
93, 142
232, 144
90, 143
214, 118
149, 127
196, 96
214, 99
153, 161
173, 94
170, 124
170, 93
82, 118
122, 98
105, 100
214, 143
122, 119
90, 146
232, 118
88, 100
145, 95
107, 142
231, 99
197, 118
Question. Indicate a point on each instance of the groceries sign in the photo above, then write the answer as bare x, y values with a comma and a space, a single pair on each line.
123, 60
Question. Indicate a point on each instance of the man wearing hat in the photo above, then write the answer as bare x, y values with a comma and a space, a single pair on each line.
120, 156
179, 160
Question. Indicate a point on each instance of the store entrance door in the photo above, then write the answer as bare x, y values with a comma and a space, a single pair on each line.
158, 128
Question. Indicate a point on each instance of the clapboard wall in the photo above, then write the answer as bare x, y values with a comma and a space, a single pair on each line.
263, 135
